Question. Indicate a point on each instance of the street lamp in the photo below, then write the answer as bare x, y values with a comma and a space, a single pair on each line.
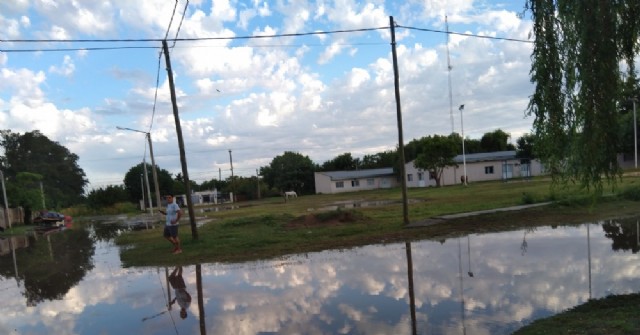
153, 164
464, 159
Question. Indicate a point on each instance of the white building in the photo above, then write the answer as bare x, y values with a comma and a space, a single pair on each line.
499, 165
358, 180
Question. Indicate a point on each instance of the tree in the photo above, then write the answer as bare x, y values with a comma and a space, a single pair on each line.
380, 160
133, 182
63, 180
496, 140
290, 172
578, 46
342, 162
525, 148
108, 196
25, 192
437, 153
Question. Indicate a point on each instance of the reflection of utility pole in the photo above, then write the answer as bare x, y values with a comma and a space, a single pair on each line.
469, 255
589, 255
464, 329
15, 262
166, 276
412, 297
203, 325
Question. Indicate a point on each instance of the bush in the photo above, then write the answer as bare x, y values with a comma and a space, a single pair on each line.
631, 193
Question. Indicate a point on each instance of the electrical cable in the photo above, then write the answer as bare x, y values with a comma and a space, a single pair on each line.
465, 34
171, 21
180, 25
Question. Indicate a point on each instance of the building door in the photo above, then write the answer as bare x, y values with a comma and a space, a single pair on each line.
507, 171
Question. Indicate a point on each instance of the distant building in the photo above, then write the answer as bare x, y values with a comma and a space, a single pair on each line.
358, 180
499, 165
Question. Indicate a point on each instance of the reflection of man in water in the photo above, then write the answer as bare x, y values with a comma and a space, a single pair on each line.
182, 296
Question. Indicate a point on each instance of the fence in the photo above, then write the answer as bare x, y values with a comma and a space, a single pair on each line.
16, 216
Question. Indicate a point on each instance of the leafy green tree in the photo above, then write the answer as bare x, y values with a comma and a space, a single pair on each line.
496, 140
290, 171
471, 146
437, 153
25, 192
133, 182
214, 184
380, 160
108, 196
63, 180
525, 147
343, 162
179, 186
578, 46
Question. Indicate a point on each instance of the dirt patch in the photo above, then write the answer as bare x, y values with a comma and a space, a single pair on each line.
336, 218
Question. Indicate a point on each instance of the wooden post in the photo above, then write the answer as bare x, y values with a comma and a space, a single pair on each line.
183, 158
405, 206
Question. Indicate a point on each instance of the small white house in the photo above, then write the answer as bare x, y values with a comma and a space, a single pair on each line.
358, 180
499, 165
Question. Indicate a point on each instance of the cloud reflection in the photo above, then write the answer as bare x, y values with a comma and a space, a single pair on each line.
363, 290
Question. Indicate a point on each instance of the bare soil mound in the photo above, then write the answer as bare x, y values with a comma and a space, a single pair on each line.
327, 219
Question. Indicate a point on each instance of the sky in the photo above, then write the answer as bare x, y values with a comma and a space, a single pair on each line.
67, 71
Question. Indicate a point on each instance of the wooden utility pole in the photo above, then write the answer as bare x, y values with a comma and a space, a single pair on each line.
233, 190
405, 205
7, 220
258, 179
183, 158
155, 174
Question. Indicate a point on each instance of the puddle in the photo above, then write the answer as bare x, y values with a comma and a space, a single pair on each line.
73, 283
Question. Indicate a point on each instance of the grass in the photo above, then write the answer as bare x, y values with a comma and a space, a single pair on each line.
613, 315
272, 228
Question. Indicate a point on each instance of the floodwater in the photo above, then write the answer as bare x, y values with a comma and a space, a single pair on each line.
73, 283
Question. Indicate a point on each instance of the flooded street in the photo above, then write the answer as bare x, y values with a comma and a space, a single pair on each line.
478, 284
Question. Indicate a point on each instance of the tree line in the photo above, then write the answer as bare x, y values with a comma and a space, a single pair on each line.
41, 173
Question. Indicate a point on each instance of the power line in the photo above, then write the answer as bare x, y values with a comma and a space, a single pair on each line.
77, 49
466, 34
180, 25
191, 39
171, 21
155, 96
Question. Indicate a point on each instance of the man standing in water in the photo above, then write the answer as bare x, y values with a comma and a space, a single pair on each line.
173, 214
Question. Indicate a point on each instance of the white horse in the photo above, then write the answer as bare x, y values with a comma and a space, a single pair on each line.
291, 194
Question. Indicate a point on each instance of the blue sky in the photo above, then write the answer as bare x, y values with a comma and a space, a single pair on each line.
320, 95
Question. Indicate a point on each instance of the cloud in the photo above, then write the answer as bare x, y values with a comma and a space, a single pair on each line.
66, 69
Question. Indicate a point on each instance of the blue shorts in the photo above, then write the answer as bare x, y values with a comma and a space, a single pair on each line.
170, 231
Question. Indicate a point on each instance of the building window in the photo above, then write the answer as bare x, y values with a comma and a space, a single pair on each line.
370, 182
339, 184
355, 183
420, 176
488, 170
410, 177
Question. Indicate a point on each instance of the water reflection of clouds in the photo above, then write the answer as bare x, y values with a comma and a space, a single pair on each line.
364, 290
